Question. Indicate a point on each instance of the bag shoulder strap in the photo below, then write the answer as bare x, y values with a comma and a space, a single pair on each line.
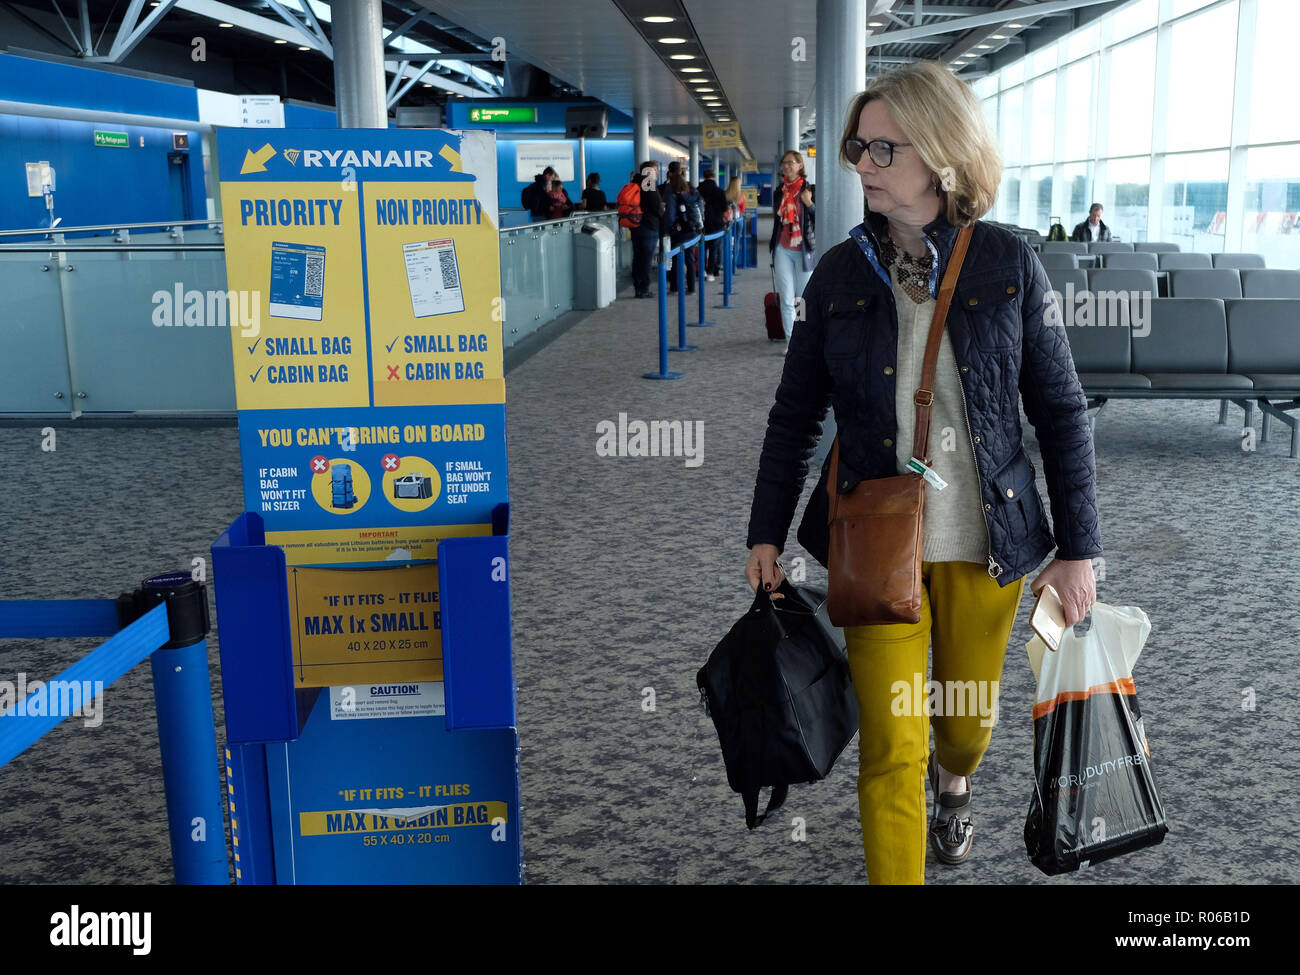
924, 397
928, 368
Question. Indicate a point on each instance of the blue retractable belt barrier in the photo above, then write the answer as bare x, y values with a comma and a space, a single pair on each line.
663, 372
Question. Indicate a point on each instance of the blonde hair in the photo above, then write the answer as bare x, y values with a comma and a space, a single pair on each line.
734, 192
941, 117
803, 174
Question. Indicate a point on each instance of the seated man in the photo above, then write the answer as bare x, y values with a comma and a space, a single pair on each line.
1092, 228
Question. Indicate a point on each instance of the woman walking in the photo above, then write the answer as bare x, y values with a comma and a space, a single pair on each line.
791, 246
929, 168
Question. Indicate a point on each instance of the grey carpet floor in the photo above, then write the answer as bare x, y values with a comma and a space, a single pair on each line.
626, 572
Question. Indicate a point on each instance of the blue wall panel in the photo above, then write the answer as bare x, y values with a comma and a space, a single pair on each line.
306, 117
72, 86
95, 184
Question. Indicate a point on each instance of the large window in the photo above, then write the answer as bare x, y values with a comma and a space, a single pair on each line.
1042, 120
1148, 92
1132, 74
1274, 116
1078, 111
1272, 205
1202, 60
1125, 197
1195, 200
1009, 131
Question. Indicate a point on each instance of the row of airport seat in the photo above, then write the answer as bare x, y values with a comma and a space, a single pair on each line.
1243, 350
1154, 261
1221, 282
1112, 247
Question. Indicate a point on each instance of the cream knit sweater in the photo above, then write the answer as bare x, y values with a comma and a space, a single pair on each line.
954, 528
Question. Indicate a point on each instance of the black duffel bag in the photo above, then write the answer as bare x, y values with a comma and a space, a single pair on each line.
779, 692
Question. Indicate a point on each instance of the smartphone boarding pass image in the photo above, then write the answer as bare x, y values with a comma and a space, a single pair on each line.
1048, 617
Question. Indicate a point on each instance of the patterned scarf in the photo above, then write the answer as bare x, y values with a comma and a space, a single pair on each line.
789, 212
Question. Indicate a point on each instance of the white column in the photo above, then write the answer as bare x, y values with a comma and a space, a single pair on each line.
841, 74
360, 92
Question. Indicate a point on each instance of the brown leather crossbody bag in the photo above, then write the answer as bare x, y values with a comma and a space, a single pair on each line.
875, 530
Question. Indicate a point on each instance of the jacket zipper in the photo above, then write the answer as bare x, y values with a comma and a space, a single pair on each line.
994, 569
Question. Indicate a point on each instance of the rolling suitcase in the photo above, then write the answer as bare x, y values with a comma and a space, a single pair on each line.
772, 314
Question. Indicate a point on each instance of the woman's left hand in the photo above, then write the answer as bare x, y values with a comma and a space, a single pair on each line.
1073, 582
806, 197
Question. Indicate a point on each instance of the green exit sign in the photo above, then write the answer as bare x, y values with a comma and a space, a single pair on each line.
118, 140
514, 113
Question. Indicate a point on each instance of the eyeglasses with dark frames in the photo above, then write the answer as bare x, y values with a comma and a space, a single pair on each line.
880, 150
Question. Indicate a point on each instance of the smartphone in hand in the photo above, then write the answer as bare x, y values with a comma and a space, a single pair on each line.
1048, 617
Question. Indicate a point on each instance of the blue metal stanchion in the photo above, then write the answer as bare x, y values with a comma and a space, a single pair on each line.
186, 736
663, 372
682, 257
701, 251
726, 268
167, 621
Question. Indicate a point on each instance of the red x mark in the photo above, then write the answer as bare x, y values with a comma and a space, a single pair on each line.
319, 465
392, 372
391, 462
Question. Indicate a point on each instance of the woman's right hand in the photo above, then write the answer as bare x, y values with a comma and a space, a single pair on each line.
762, 569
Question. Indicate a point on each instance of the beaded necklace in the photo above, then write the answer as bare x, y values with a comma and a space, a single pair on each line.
913, 273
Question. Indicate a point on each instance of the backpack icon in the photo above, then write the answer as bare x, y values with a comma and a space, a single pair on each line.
629, 206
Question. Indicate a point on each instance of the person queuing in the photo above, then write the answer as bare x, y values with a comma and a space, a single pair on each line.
929, 165
791, 246
687, 222
645, 234
593, 197
715, 208
560, 204
1092, 228
536, 197
736, 197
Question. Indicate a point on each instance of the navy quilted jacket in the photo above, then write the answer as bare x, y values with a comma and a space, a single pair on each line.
844, 353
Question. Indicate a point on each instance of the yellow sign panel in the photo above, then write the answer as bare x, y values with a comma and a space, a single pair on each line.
432, 272
720, 135
751, 198
306, 355
749, 165
358, 626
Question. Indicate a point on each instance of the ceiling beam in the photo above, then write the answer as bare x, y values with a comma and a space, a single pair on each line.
913, 34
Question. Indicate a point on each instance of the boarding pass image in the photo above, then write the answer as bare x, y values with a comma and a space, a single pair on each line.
433, 276
297, 281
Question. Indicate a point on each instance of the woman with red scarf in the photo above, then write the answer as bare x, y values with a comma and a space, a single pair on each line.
792, 235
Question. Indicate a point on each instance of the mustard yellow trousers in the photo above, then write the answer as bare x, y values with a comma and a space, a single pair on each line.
969, 617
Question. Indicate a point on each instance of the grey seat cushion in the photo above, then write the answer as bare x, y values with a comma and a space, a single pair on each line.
1199, 381
1276, 382
1113, 380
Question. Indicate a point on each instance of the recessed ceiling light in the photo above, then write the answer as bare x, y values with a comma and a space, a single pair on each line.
705, 89
672, 40
427, 84
999, 37
280, 41
304, 48
983, 47
725, 118
658, 20
681, 57
875, 23
1013, 26
689, 70
698, 81
225, 25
